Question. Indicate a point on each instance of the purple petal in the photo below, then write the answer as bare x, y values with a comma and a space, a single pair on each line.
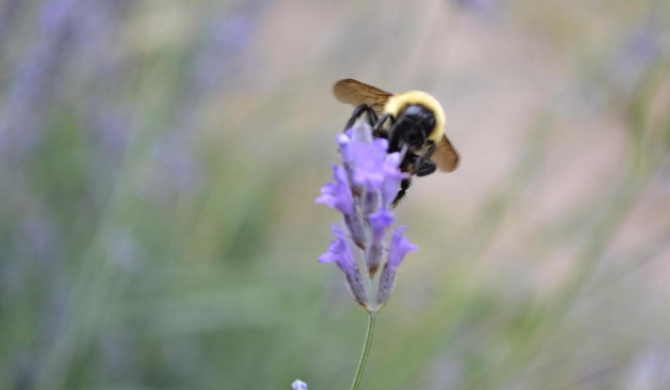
343, 140
337, 194
361, 131
393, 161
339, 253
368, 161
298, 385
380, 222
400, 245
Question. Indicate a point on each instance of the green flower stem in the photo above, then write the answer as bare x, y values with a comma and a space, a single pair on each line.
365, 353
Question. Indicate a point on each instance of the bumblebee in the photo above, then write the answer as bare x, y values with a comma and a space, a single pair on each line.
412, 122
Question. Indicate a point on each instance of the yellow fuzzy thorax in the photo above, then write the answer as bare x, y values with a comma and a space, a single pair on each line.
397, 102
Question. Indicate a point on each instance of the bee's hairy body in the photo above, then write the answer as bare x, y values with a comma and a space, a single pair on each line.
397, 104
418, 122
413, 122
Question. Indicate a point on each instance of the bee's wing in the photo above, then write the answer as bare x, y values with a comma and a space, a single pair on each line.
354, 92
445, 156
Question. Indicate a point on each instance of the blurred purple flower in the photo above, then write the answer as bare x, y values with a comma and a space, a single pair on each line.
236, 32
183, 169
298, 385
73, 39
481, 7
221, 60
179, 169
640, 48
38, 235
32, 86
110, 130
223, 38
9, 15
57, 12
649, 369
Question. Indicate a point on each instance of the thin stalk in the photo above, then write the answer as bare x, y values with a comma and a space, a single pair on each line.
366, 351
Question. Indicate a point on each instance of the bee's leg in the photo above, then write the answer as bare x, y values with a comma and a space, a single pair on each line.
424, 165
378, 129
394, 140
404, 186
358, 112
426, 168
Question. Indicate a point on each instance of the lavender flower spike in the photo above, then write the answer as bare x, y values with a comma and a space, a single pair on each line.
340, 253
298, 385
400, 245
366, 184
363, 190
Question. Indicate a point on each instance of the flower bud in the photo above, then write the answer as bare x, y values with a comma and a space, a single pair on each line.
379, 224
400, 245
340, 253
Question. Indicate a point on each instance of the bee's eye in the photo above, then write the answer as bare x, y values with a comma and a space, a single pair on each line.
430, 122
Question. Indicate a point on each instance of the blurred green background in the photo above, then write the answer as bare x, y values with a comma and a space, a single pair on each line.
159, 162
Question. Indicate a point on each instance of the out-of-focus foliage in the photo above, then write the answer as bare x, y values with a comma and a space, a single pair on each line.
159, 162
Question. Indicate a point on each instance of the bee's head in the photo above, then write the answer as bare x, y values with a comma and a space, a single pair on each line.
417, 122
